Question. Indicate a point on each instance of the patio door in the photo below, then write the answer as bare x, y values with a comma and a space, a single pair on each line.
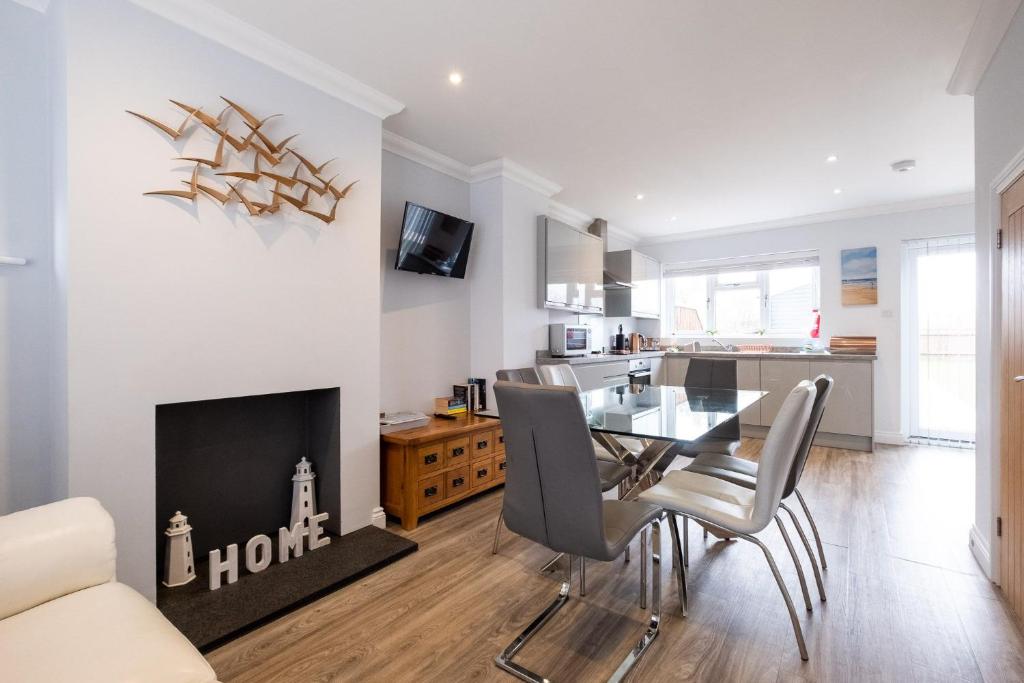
941, 304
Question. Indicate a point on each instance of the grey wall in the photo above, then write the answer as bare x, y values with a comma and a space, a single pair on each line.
30, 471
425, 319
998, 138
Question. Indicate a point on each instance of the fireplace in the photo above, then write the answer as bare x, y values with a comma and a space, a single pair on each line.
227, 464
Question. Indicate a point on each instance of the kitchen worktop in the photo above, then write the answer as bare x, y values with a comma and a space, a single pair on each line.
609, 357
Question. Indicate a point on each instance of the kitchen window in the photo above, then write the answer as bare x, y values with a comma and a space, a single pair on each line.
770, 295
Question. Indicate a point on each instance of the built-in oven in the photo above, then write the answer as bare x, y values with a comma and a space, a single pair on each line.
640, 371
569, 340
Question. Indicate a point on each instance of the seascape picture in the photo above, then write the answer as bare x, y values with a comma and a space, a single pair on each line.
860, 276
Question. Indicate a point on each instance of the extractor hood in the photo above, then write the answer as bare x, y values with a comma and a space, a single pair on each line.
614, 276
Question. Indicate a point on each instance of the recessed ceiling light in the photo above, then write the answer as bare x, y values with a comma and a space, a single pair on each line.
455, 78
837, 190
904, 165
674, 218
831, 158
639, 195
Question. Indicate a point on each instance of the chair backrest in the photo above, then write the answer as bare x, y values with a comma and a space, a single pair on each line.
561, 375
552, 488
779, 451
711, 373
521, 375
823, 384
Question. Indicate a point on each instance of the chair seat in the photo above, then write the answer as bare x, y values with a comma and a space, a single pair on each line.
735, 470
720, 502
623, 520
611, 473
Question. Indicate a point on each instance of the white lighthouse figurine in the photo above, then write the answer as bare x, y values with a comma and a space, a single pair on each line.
179, 564
303, 495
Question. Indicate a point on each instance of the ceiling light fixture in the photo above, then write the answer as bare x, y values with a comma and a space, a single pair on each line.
903, 166
455, 78
831, 158
837, 190
639, 195
674, 218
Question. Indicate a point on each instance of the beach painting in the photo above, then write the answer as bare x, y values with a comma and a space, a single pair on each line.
860, 276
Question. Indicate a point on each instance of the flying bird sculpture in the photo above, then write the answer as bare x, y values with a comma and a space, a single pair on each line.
174, 133
184, 194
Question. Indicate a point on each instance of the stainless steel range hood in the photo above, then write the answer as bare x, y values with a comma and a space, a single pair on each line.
614, 276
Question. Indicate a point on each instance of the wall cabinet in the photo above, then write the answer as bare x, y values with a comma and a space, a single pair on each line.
570, 267
643, 299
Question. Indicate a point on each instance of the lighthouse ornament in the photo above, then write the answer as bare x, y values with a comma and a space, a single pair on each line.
179, 564
303, 495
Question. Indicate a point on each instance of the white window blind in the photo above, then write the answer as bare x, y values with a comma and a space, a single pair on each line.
791, 259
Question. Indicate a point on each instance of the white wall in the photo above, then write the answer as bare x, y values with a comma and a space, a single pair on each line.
31, 473
881, 320
169, 302
425, 322
998, 139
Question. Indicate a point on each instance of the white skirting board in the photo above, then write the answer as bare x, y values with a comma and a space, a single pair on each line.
892, 438
982, 554
378, 518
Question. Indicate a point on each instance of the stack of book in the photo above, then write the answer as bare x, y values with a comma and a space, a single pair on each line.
865, 345
395, 422
450, 406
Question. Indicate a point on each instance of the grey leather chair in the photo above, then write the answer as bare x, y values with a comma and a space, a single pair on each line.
713, 373
523, 375
742, 512
744, 473
552, 497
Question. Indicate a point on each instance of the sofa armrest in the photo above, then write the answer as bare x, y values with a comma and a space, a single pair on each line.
53, 550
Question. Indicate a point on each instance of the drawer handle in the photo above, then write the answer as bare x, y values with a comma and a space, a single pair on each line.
481, 473
458, 481
428, 492
481, 444
501, 439
430, 459
458, 451
501, 465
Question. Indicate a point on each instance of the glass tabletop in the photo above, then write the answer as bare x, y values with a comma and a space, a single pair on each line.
663, 413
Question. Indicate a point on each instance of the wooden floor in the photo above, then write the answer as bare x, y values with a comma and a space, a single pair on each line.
906, 601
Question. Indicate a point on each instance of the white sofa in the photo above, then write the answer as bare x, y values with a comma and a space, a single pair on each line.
63, 615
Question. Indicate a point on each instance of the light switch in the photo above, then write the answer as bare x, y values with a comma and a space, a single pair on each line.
887, 313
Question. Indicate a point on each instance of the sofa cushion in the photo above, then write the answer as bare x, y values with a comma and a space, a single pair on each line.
108, 633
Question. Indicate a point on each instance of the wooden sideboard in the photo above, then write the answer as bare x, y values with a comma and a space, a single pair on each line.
427, 468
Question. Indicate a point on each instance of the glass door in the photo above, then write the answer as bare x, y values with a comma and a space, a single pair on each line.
940, 307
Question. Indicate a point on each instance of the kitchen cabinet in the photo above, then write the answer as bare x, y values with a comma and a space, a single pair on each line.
570, 267
643, 299
657, 371
778, 377
748, 376
675, 370
600, 375
847, 411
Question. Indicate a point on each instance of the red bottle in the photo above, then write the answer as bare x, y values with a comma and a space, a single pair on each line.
816, 330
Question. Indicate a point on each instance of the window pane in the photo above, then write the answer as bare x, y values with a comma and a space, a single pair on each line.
689, 303
737, 311
791, 299
739, 278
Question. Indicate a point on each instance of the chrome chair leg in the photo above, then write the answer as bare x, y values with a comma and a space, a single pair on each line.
814, 527
504, 660
807, 548
551, 563
655, 621
643, 569
583, 576
705, 533
785, 594
686, 542
497, 531
677, 563
796, 563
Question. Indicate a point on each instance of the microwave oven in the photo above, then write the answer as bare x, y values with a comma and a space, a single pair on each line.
569, 340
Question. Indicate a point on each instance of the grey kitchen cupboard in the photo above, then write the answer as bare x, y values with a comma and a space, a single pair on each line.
675, 370
643, 299
600, 375
748, 376
570, 267
658, 371
778, 377
850, 408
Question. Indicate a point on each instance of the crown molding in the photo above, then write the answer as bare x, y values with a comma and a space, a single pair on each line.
414, 151
990, 25
960, 199
569, 215
38, 5
506, 168
203, 18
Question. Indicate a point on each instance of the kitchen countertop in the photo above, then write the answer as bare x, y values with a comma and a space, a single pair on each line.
607, 358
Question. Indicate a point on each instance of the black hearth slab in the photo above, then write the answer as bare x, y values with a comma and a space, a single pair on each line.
211, 618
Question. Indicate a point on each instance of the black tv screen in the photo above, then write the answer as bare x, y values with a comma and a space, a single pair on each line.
433, 242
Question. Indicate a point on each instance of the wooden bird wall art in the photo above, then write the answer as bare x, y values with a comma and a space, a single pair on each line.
251, 165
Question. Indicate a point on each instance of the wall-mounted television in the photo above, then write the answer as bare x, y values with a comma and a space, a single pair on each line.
433, 242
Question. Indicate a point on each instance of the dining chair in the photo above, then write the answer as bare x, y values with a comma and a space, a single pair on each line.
523, 375
713, 373
740, 511
744, 473
552, 497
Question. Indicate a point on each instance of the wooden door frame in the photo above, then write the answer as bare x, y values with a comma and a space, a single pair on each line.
988, 554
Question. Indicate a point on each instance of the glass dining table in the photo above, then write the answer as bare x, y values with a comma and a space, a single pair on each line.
659, 416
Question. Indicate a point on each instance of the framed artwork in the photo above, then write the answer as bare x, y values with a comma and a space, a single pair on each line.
860, 276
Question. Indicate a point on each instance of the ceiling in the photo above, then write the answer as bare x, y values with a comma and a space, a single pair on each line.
720, 112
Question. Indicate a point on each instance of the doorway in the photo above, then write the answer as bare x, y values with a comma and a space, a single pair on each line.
940, 275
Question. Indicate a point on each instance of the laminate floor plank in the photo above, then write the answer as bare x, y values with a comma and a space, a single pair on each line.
906, 601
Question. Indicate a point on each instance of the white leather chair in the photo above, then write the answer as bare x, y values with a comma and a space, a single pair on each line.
63, 615
738, 510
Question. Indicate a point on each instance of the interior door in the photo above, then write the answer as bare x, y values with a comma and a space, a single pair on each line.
1012, 404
